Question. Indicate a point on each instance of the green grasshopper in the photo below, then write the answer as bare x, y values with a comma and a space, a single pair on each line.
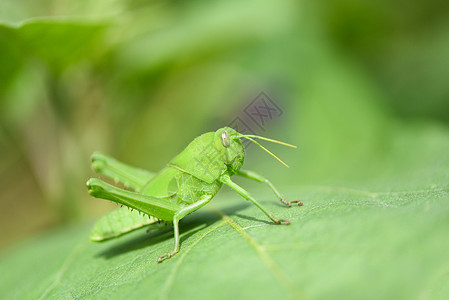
187, 183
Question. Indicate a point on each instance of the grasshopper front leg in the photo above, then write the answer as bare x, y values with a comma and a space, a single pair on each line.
227, 180
254, 176
178, 216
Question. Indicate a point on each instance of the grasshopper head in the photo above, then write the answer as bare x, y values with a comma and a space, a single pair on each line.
230, 146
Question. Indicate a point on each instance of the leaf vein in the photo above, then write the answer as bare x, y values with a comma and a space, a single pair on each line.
78, 249
278, 273
170, 279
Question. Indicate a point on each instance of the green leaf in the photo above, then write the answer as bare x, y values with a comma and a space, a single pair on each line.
343, 243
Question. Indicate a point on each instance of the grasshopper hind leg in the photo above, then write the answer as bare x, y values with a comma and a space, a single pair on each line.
134, 178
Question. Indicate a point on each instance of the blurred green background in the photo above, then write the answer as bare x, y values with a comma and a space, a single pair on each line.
140, 79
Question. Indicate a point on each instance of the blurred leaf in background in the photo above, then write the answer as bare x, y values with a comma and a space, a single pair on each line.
362, 85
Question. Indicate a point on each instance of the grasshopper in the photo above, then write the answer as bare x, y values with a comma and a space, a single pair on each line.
188, 182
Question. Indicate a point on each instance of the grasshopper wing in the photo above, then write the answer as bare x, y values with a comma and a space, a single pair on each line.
119, 222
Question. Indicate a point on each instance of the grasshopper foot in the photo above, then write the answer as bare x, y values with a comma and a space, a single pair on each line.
280, 222
166, 256
289, 203
285, 222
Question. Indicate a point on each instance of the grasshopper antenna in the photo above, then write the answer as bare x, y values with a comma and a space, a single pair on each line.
267, 139
250, 137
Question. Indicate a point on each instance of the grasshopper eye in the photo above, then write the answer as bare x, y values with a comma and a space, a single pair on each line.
225, 139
